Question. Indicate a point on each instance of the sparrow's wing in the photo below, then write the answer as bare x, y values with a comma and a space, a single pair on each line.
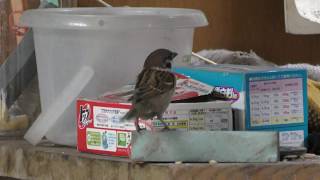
152, 83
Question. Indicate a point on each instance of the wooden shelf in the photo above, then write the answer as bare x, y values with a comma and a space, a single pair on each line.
19, 159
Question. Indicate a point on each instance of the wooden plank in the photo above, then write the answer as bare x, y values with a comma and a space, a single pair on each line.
247, 171
70, 3
203, 146
4, 34
19, 159
10, 12
16, 11
31, 4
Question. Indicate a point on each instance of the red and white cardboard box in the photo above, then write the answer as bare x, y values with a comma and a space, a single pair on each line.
101, 132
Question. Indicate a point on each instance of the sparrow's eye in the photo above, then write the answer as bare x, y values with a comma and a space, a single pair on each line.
168, 65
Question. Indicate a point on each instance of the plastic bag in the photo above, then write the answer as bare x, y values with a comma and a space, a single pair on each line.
309, 9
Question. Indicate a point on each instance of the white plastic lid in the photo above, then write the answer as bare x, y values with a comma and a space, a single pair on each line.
113, 18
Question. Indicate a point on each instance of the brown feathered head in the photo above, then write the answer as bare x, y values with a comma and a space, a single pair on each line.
161, 58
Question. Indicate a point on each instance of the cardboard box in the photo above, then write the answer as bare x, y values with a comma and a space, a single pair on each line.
100, 132
294, 136
263, 98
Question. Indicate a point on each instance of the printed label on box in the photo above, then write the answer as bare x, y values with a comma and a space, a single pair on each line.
124, 139
99, 139
275, 102
291, 138
196, 119
172, 124
209, 119
108, 117
229, 92
217, 119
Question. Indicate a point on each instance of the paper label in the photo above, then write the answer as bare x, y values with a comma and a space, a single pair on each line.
218, 119
123, 139
291, 138
197, 119
108, 117
276, 102
99, 139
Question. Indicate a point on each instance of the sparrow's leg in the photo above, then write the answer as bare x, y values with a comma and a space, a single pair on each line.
138, 128
136, 123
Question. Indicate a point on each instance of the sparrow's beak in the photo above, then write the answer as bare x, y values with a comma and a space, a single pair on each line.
173, 55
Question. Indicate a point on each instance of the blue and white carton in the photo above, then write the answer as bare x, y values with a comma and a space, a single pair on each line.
263, 98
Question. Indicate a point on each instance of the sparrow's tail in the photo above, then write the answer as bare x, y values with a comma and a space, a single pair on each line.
130, 115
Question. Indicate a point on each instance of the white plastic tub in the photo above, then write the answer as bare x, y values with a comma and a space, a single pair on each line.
87, 51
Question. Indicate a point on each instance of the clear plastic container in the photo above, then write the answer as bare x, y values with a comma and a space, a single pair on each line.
88, 51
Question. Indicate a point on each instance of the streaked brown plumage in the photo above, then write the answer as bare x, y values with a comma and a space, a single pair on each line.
154, 87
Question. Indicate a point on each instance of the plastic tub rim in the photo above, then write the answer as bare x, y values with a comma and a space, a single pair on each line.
113, 18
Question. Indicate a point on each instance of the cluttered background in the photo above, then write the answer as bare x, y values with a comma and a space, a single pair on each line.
249, 75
